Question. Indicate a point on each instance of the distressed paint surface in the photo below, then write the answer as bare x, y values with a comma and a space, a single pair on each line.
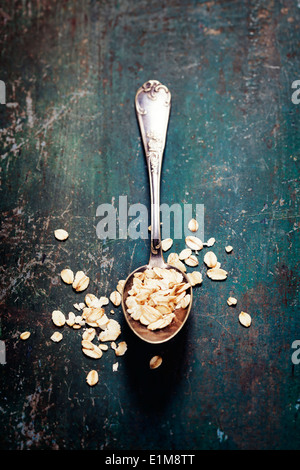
70, 141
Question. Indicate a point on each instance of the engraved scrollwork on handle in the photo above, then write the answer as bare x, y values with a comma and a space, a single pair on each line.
152, 88
153, 104
154, 150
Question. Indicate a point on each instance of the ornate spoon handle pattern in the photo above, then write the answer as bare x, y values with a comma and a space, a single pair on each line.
153, 102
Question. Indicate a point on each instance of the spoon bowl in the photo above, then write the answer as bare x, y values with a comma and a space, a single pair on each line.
152, 103
164, 334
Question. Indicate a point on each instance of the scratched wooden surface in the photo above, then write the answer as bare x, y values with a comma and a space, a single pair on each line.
70, 142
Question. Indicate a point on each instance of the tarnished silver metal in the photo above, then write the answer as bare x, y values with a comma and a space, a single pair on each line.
152, 103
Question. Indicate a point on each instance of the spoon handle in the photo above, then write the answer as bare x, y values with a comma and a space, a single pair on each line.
152, 103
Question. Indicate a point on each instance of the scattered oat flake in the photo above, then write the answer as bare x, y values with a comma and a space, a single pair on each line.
245, 319
103, 301
25, 335
115, 366
210, 259
155, 362
111, 331
95, 353
195, 278
67, 276
115, 298
102, 322
184, 254
228, 249
211, 31
91, 300
89, 334
194, 243
92, 314
217, 274
192, 261
92, 378
81, 281
210, 242
87, 344
121, 348
61, 234
120, 286
179, 265
173, 260
166, 244
71, 319
58, 318
232, 301
193, 225
56, 337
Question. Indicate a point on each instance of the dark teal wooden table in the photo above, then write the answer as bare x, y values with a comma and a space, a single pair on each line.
70, 142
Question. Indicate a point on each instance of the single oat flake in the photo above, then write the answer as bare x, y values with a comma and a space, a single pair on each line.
121, 349
231, 301
103, 300
194, 243
56, 337
81, 281
111, 331
210, 259
91, 300
92, 315
193, 225
115, 298
228, 249
94, 352
89, 334
245, 319
25, 335
58, 318
173, 260
210, 242
166, 244
71, 319
92, 378
67, 276
120, 286
155, 362
217, 274
192, 261
184, 254
195, 278
61, 234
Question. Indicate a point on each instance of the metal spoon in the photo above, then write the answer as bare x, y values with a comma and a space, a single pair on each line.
152, 103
